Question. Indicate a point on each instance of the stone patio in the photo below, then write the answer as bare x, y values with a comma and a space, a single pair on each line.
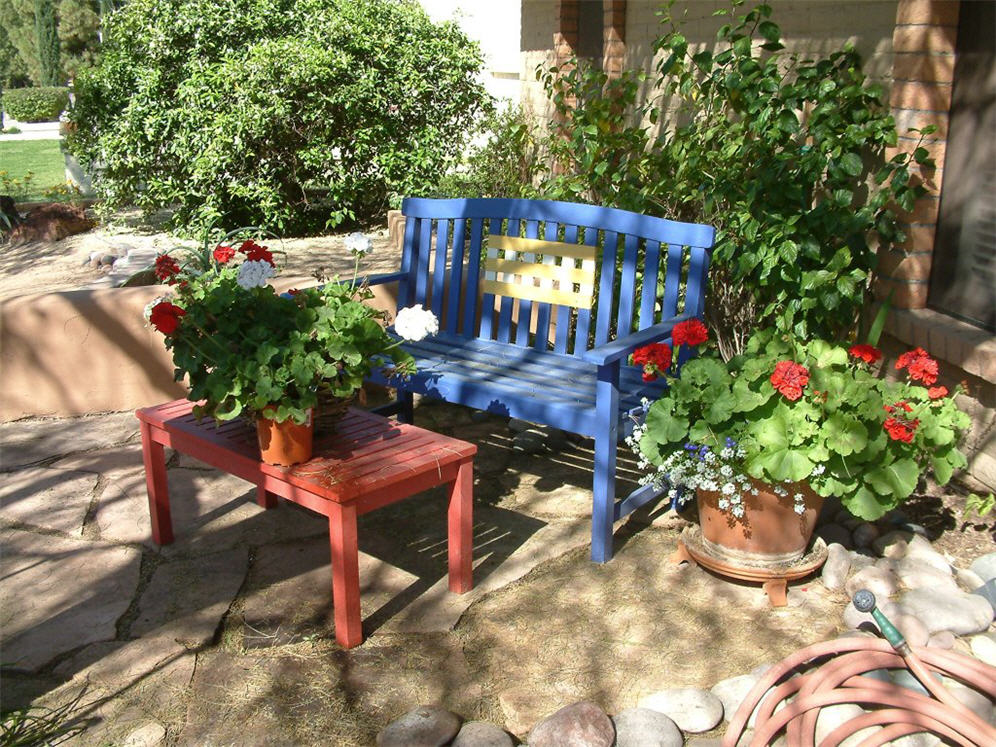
226, 635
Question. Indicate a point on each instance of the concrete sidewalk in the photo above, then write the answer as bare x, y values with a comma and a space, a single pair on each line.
31, 130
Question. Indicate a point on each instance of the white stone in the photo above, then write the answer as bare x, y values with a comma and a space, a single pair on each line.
968, 580
836, 567
643, 727
149, 735
915, 572
836, 715
984, 648
693, 710
732, 692
880, 582
944, 609
854, 619
985, 566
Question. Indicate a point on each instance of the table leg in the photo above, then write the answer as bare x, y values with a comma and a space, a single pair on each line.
460, 520
345, 574
154, 457
265, 498
777, 591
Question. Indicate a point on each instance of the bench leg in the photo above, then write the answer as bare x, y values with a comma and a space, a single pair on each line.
345, 575
154, 458
460, 529
606, 442
406, 407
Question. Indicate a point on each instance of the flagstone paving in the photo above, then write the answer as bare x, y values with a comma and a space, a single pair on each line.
226, 636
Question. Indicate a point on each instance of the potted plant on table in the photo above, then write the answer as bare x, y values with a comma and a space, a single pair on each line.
775, 430
248, 351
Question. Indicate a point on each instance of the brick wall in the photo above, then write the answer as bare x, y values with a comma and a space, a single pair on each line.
923, 70
614, 37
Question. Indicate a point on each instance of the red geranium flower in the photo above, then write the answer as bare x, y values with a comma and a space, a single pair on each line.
693, 332
648, 377
167, 268
924, 370
867, 353
223, 254
900, 430
256, 253
936, 392
906, 358
655, 359
901, 405
789, 378
165, 317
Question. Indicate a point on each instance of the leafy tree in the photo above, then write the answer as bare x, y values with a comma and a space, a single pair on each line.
17, 24
294, 114
47, 34
79, 26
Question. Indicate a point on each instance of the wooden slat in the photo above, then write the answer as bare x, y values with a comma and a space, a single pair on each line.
672, 281
422, 263
473, 278
537, 270
507, 301
406, 288
627, 287
562, 335
456, 277
439, 267
541, 246
606, 289
543, 312
533, 293
525, 316
651, 269
488, 303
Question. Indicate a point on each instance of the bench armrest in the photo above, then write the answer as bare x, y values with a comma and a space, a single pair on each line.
623, 346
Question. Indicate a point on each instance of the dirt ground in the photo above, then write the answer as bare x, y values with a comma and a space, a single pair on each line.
569, 630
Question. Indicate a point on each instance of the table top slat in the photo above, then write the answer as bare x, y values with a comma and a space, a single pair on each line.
366, 452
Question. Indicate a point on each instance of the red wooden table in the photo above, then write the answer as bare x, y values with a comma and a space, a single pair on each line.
367, 463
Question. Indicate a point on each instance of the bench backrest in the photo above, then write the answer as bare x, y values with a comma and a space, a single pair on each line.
549, 275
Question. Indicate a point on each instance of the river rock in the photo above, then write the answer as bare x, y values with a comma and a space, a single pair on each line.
928, 556
836, 567
836, 715
693, 710
988, 592
915, 572
943, 639
879, 581
893, 544
642, 727
946, 609
860, 560
835, 533
984, 648
854, 619
912, 628
985, 566
582, 724
482, 734
732, 692
968, 580
426, 726
864, 534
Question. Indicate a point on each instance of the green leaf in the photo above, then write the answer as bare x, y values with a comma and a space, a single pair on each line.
844, 435
865, 504
851, 164
769, 30
787, 464
897, 480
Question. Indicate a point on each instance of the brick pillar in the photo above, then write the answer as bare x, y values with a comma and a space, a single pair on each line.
923, 44
565, 38
614, 37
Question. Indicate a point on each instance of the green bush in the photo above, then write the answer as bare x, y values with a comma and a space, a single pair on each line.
35, 104
297, 115
502, 163
785, 156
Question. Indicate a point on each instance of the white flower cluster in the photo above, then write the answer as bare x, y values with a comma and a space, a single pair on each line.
254, 273
416, 323
358, 244
683, 472
147, 311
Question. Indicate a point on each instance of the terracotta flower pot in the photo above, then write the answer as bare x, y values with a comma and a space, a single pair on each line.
770, 534
284, 443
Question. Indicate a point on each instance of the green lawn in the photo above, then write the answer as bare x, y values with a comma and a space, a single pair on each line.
41, 157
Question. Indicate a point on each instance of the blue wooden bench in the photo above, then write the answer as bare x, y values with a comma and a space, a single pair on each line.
541, 304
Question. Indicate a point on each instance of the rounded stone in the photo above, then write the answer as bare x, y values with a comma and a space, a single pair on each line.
582, 724
915, 573
482, 734
732, 692
148, 735
943, 639
693, 710
928, 556
985, 566
856, 619
425, 726
892, 544
968, 580
836, 567
835, 534
643, 727
913, 630
864, 534
984, 648
879, 581
859, 560
948, 609
517, 425
830, 717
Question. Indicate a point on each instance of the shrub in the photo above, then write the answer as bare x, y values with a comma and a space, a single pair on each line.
35, 104
785, 156
502, 163
297, 115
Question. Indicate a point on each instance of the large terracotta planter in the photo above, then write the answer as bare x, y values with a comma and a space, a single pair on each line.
284, 443
770, 534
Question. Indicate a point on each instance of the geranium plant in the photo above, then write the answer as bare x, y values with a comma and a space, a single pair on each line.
790, 413
244, 348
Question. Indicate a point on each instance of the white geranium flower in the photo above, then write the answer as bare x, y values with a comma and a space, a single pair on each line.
254, 273
147, 311
416, 323
358, 244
